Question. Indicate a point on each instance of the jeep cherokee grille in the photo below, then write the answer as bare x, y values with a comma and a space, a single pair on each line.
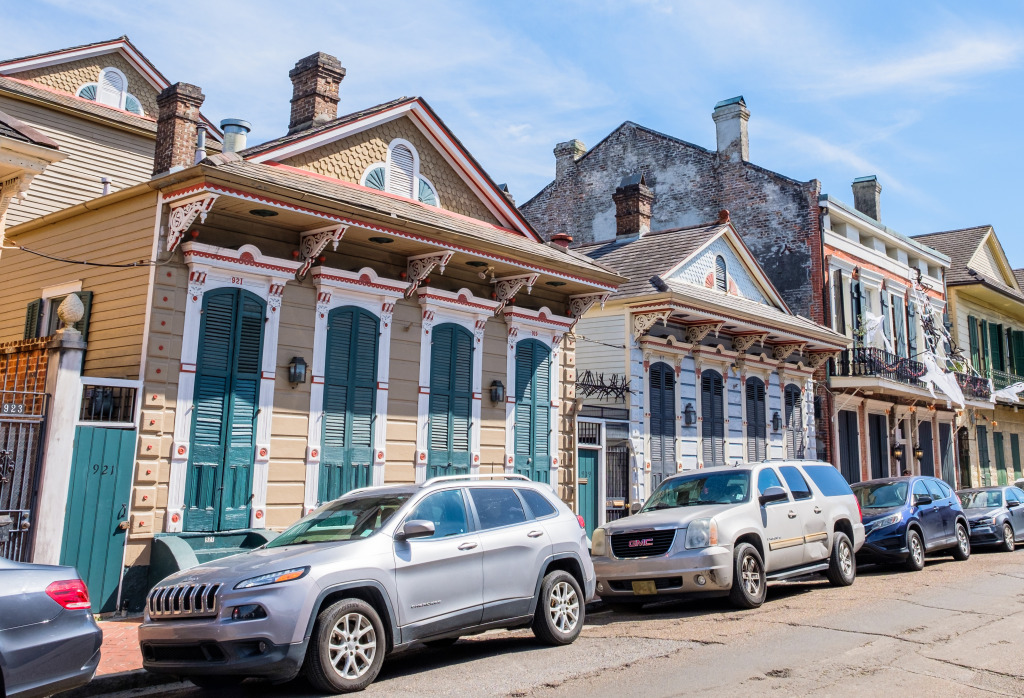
183, 601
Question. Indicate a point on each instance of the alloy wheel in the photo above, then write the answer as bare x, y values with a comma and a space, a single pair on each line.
1008, 536
750, 572
564, 607
917, 551
845, 558
353, 645
962, 540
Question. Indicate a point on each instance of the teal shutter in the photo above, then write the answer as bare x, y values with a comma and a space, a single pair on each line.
995, 343
225, 405
532, 426
972, 334
1015, 455
663, 422
451, 401
1000, 454
712, 409
350, 402
986, 356
757, 422
83, 324
1018, 352
32, 313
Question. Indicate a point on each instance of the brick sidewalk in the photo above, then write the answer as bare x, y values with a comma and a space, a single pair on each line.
120, 651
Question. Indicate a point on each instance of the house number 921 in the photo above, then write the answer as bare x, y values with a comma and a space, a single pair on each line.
237, 280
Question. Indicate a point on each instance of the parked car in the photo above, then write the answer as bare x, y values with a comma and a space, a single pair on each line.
907, 518
370, 574
728, 531
49, 641
995, 515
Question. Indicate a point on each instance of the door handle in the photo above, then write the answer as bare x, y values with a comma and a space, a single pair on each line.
817, 510
467, 546
535, 534
791, 514
123, 525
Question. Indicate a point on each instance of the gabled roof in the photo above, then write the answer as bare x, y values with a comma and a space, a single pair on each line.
1019, 275
20, 131
962, 245
66, 101
435, 130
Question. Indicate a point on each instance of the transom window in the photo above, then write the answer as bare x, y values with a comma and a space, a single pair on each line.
401, 175
111, 89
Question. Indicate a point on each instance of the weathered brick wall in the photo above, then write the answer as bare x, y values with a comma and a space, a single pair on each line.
68, 77
23, 365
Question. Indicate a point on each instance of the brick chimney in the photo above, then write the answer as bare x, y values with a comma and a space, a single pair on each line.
176, 126
867, 196
633, 201
566, 155
731, 116
315, 83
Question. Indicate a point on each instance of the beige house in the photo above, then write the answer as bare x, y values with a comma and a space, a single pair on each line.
354, 303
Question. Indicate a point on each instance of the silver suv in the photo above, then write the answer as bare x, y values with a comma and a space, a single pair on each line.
370, 574
728, 530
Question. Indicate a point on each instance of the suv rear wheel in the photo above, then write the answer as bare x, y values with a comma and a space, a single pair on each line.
962, 551
842, 569
749, 584
560, 609
346, 649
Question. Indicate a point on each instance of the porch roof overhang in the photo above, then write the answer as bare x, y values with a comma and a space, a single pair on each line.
878, 387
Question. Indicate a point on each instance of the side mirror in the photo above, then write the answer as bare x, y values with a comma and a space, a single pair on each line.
635, 507
922, 499
417, 528
1011, 503
773, 494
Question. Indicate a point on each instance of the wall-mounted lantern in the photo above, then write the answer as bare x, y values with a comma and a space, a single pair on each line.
897, 451
497, 391
776, 421
297, 370
918, 452
689, 415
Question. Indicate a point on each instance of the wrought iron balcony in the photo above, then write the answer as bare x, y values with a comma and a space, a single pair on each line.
974, 387
869, 361
1001, 379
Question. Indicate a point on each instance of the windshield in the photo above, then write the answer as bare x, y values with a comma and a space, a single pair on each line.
883, 495
716, 488
981, 500
343, 519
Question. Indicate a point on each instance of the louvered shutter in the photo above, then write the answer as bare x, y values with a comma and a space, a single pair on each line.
757, 423
912, 330
996, 346
721, 280
532, 410
794, 422
401, 171
451, 400
859, 305
712, 418
899, 314
886, 323
32, 313
972, 333
986, 356
83, 324
663, 422
839, 300
1018, 352
111, 86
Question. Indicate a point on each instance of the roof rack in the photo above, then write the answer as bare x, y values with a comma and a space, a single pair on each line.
484, 476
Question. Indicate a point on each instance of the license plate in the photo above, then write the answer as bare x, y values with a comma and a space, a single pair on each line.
644, 588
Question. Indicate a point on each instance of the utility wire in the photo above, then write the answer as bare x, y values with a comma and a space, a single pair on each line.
140, 263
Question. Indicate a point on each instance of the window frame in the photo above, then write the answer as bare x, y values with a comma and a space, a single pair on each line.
471, 526
480, 528
417, 175
809, 490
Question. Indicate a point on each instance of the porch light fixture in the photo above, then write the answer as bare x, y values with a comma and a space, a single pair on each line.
381, 241
497, 391
554, 283
897, 451
918, 453
476, 263
776, 422
263, 212
297, 370
689, 415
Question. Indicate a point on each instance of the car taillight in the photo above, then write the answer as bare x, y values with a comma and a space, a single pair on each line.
583, 522
71, 594
859, 512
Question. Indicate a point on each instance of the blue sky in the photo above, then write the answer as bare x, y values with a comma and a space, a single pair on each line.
925, 95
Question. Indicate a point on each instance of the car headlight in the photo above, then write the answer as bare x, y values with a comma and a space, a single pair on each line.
598, 543
983, 522
884, 521
273, 578
701, 533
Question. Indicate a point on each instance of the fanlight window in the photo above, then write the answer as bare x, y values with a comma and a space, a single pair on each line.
111, 89
400, 175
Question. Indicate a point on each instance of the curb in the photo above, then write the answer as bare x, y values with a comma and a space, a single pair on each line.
121, 681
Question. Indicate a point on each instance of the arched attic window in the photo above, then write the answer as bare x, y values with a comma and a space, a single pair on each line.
721, 275
111, 89
400, 175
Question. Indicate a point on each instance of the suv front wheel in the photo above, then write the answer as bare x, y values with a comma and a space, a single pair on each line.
749, 583
346, 649
560, 609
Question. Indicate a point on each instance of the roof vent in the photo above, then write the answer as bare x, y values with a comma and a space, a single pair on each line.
235, 133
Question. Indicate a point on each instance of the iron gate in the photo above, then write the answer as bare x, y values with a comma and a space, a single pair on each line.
22, 424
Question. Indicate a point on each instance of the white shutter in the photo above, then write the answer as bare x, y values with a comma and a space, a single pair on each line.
401, 171
111, 87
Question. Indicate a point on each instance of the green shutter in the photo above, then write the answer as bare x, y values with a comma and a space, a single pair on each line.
32, 313
83, 324
986, 355
1018, 352
983, 461
995, 346
451, 401
1000, 454
532, 413
1015, 455
972, 333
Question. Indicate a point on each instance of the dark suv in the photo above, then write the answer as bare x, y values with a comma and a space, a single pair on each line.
906, 518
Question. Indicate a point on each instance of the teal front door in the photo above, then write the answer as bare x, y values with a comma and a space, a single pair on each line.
101, 483
451, 401
532, 426
350, 402
218, 490
587, 463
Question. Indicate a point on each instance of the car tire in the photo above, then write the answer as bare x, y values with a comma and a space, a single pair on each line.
749, 582
842, 566
442, 643
217, 683
357, 631
962, 550
560, 609
1009, 539
915, 552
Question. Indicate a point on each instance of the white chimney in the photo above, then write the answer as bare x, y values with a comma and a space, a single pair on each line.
731, 118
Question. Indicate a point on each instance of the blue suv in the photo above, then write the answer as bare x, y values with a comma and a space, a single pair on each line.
906, 518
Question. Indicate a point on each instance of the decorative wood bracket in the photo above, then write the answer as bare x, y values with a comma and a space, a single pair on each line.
645, 321
420, 266
313, 242
742, 342
816, 359
696, 333
781, 352
506, 288
580, 304
182, 216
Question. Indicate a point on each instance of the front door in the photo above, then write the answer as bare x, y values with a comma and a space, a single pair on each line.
587, 460
219, 481
97, 510
532, 435
946, 454
663, 422
924, 442
878, 444
350, 402
849, 446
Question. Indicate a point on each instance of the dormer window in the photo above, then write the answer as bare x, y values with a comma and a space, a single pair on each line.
400, 175
721, 278
111, 89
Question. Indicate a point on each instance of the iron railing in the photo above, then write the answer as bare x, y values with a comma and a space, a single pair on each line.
974, 387
1002, 379
869, 361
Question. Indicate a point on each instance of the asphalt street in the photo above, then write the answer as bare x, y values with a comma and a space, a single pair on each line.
954, 629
